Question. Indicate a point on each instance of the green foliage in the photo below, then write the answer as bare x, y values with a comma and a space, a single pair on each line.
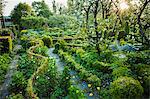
45, 83
103, 67
61, 90
59, 45
93, 79
18, 84
143, 74
21, 10
27, 65
89, 58
5, 32
41, 9
63, 22
121, 71
75, 93
41, 50
139, 57
48, 41
17, 96
4, 64
126, 88
32, 22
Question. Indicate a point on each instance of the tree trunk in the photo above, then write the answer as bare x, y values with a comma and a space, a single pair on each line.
96, 26
140, 25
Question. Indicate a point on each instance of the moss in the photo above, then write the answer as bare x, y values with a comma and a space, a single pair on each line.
126, 88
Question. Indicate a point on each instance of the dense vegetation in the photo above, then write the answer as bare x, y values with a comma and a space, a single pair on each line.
92, 49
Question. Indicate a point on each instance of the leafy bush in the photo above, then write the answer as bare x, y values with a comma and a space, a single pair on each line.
93, 79
101, 66
126, 88
47, 41
140, 57
5, 32
61, 90
121, 71
89, 58
41, 50
27, 65
75, 93
80, 52
143, 74
17, 96
18, 84
59, 45
32, 22
45, 83
4, 64
63, 22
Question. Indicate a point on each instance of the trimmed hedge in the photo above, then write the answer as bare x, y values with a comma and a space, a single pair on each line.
126, 88
48, 41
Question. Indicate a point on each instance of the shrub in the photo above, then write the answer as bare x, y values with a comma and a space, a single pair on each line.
63, 22
103, 67
59, 45
32, 22
143, 74
45, 83
75, 93
27, 65
41, 50
17, 96
4, 64
121, 71
47, 41
93, 79
89, 58
140, 57
126, 88
80, 52
18, 84
5, 32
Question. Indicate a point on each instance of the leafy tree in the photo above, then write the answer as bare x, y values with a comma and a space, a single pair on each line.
21, 10
41, 9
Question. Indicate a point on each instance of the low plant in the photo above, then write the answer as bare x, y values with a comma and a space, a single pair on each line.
18, 83
121, 71
76, 93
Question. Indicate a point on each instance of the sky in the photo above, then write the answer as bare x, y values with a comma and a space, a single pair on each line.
12, 3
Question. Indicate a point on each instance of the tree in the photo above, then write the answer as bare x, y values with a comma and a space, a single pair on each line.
21, 10
95, 13
87, 8
140, 23
2, 5
41, 9
54, 6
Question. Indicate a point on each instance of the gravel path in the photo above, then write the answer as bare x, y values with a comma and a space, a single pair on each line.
13, 66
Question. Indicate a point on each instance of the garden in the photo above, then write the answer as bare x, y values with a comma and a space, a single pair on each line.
89, 49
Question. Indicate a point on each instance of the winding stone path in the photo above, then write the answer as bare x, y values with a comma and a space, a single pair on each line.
4, 93
75, 79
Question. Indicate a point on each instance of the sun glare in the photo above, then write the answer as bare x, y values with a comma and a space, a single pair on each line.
123, 5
